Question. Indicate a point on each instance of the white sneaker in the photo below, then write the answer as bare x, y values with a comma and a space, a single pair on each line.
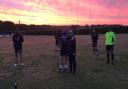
15, 65
22, 64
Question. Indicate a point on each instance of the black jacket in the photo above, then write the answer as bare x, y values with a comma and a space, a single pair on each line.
71, 45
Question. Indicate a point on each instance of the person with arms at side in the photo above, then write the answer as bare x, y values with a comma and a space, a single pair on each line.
94, 37
110, 42
72, 52
64, 52
56, 42
17, 43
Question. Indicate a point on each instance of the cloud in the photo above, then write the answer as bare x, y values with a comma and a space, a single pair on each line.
65, 11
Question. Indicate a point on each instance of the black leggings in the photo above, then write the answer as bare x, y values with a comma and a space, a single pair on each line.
72, 63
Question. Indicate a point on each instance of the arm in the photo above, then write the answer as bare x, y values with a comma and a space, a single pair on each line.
74, 46
13, 38
91, 36
22, 39
97, 36
114, 36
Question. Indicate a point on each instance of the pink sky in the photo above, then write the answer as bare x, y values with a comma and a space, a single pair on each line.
65, 11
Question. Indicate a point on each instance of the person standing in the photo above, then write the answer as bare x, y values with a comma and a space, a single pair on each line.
17, 44
64, 52
57, 40
110, 42
72, 51
94, 37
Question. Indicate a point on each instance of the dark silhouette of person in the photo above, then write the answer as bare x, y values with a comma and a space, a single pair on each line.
57, 40
64, 52
94, 37
72, 51
17, 43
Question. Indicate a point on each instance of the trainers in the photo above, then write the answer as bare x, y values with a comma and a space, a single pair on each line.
97, 54
15, 65
65, 69
60, 70
22, 64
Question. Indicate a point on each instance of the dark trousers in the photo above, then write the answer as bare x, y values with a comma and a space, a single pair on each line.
94, 45
109, 49
72, 63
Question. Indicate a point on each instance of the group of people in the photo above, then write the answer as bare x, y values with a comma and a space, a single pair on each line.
110, 39
66, 43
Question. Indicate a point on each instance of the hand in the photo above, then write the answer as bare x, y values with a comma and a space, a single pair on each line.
74, 54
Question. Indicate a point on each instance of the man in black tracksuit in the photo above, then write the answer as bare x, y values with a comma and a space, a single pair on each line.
72, 52
17, 43
94, 37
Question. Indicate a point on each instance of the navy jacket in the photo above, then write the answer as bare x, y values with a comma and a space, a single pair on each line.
94, 37
17, 39
64, 43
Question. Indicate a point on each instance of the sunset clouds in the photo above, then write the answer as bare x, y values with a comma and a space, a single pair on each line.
65, 11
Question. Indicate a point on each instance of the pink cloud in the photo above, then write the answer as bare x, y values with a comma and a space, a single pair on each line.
102, 11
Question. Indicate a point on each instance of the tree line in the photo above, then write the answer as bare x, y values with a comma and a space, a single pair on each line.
8, 27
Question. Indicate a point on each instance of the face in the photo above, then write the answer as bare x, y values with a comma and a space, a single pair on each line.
18, 33
70, 33
93, 31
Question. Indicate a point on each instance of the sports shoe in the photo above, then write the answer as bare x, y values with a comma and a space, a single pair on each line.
15, 65
65, 69
60, 70
22, 64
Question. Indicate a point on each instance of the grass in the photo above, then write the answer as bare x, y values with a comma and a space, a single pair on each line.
41, 65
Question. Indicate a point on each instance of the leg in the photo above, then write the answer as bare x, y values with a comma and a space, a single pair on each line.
16, 57
20, 53
61, 64
70, 63
21, 60
108, 57
96, 49
56, 48
15, 85
93, 49
74, 64
108, 53
112, 54
93, 46
65, 62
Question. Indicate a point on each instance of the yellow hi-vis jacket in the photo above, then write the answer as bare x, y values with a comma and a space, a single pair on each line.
110, 38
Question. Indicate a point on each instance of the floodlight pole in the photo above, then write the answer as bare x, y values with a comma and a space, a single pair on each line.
77, 18
90, 17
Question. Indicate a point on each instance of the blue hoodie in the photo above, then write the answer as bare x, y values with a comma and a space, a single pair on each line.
64, 42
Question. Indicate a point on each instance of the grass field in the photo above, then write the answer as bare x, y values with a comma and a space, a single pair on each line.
41, 65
